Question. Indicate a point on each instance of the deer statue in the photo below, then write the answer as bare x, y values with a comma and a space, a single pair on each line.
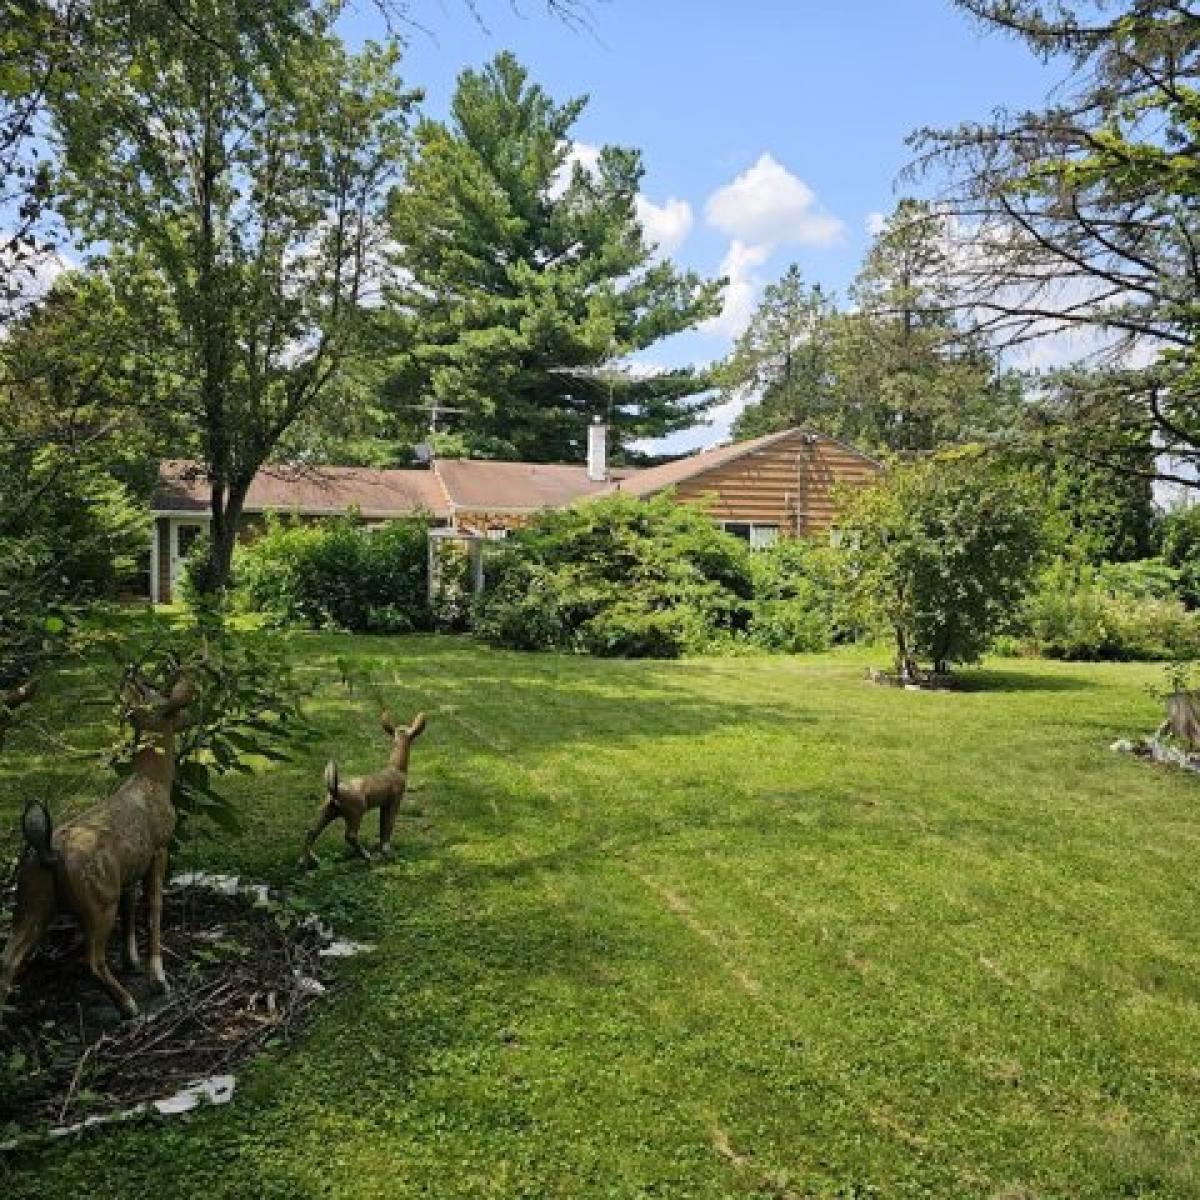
91, 865
352, 799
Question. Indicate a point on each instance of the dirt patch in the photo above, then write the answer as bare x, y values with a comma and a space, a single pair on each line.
243, 974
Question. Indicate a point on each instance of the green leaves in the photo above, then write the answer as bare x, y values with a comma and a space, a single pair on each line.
618, 576
246, 714
523, 267
941, 554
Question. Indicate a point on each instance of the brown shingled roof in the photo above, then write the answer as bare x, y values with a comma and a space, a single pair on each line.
309, 490
654, 479
518, 486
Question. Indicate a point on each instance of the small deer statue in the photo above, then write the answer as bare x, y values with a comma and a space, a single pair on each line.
92, 864
352, 799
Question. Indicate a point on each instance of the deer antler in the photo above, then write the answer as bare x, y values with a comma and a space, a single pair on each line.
152, 711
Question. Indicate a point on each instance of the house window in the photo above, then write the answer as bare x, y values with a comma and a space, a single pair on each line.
759, 536
497, 534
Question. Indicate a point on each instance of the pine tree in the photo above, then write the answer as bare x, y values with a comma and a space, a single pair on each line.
523, 273
783, 359
909, 379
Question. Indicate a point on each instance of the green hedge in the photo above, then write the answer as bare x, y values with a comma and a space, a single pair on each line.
339, 574
1122, 613
618, 577
797, 605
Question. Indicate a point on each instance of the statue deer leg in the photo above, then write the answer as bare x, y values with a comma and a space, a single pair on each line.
387, 823
99, 930
325, 814
129, 944
353, 821
153, 884
35, 911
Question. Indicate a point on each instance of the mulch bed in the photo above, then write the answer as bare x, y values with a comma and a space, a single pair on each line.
929, 681
242, 977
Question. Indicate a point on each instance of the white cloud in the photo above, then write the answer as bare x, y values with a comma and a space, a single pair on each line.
741, 293
768, 205
667, 225
27, 279
875, 223
585, 154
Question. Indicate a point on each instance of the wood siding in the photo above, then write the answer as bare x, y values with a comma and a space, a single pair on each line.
790, 483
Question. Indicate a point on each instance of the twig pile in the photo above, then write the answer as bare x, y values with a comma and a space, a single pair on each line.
243, 977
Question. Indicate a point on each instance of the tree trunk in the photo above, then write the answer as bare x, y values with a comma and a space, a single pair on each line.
906, 667
1183, 718
227, 505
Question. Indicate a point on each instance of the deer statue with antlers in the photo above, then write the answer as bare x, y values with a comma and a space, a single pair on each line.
91, 865
352, 799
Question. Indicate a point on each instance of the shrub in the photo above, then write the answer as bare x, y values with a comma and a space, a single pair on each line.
1143, 578
617, 576
1181, 550
942, 554
1078, 614
796, 599
247, 709
522, 608
339, 574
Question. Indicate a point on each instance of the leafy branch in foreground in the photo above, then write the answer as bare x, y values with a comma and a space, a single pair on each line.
247, 711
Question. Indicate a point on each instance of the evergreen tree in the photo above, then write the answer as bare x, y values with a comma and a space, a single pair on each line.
784, 359
895, 372
522, 273
1082, 214
908, 379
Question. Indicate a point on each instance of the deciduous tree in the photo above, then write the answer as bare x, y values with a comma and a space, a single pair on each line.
941, 553
242, 162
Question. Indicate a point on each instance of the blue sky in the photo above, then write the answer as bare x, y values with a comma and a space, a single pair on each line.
771, 130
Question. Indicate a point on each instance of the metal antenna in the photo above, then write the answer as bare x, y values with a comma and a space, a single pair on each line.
435, 409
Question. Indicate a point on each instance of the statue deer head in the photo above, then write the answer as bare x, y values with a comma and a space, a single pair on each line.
92, 864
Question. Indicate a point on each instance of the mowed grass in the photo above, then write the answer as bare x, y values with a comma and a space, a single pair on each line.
716, 928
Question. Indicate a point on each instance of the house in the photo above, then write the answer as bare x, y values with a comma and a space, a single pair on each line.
778, 485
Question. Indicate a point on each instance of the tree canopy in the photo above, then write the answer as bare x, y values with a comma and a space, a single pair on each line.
522, 272
196, 157
1082, 216
893, 371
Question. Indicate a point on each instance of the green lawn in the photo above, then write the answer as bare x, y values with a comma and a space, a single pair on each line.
716, 928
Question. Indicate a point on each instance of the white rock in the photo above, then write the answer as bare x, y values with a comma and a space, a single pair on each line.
342, 948
309, 986
216, 1089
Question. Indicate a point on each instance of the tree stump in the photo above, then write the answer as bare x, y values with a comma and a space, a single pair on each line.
1183, 718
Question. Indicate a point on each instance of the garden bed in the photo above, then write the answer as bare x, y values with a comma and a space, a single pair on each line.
244, 971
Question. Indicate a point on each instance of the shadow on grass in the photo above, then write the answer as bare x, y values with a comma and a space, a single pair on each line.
1006, 679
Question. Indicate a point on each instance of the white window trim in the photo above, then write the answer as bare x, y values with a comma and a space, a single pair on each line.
756, 540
